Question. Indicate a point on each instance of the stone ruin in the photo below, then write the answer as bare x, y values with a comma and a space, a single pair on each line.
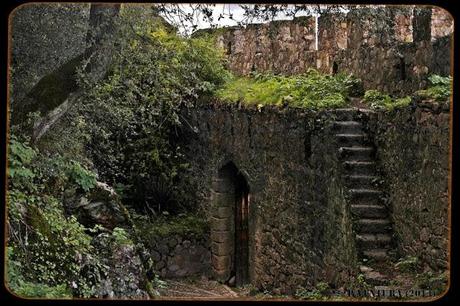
392, 49
297, 196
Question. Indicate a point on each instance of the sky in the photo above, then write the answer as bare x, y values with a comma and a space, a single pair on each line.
226, 9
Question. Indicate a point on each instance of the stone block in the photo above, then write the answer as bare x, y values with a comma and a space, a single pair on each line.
223, 199
221, 275
221, 249
221, 262
221, 224
223, 212
221, 236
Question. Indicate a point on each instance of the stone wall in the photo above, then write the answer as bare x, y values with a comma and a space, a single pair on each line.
299, 224
442, 23
413, 150
178, 256
279, 46
393, 49
300, 227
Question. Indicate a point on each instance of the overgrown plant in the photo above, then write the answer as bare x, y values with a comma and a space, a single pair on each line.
379, 100
135, 111
319, 292
440, 88
52, 251
309, 90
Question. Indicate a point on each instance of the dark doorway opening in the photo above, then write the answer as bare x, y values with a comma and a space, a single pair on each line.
234, 188
402, 65
241, 231
335, 68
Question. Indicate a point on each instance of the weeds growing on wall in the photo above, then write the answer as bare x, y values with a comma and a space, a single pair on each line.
378, 100
309, 90
440, 88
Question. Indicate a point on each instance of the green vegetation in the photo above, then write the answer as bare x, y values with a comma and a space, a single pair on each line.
319, 292
440, 88
46, 247
121, 236
123, 132
310, 90
20, 287
134, 113
432, 281
408, 264
168, 226
378, 100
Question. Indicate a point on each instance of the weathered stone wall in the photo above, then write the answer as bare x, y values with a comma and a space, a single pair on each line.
279, 46
332, 37
299, 226
403, 24
178, 256
393, 49
442, 23
413, 150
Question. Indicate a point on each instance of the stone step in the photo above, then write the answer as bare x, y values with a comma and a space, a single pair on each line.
359, 167
351, 114
348, 127
373, 241
375, 278
351, 140
376, 254
373, 226
360, 180
369, 211
357, 153
364, 195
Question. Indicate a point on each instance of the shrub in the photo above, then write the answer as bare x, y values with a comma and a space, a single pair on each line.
408, 264
310, 90
135, 111
440, 88
319, 292
52, 250
20, 287
378, 100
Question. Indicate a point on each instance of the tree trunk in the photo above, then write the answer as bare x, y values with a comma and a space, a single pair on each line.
56, 92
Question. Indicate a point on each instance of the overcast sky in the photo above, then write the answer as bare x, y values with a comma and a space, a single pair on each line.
225, 9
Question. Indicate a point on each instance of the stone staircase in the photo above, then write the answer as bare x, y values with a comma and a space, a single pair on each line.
371, 221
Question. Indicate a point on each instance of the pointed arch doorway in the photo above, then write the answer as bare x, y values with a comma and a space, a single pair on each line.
230, 226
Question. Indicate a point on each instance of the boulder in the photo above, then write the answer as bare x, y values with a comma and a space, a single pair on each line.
101, 205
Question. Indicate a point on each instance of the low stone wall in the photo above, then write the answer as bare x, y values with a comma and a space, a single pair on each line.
413, 150
177, 256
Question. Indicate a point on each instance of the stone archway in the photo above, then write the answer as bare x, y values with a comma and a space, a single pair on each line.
229, 226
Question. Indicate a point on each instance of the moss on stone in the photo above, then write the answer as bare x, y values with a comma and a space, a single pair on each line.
183, 226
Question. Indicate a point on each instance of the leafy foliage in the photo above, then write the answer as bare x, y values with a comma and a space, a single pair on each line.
51, 250
135, 112
317, 293
121, 236
408, 264
310, 90
23, 288
166, 225
440, 88
378, 100
83, 177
